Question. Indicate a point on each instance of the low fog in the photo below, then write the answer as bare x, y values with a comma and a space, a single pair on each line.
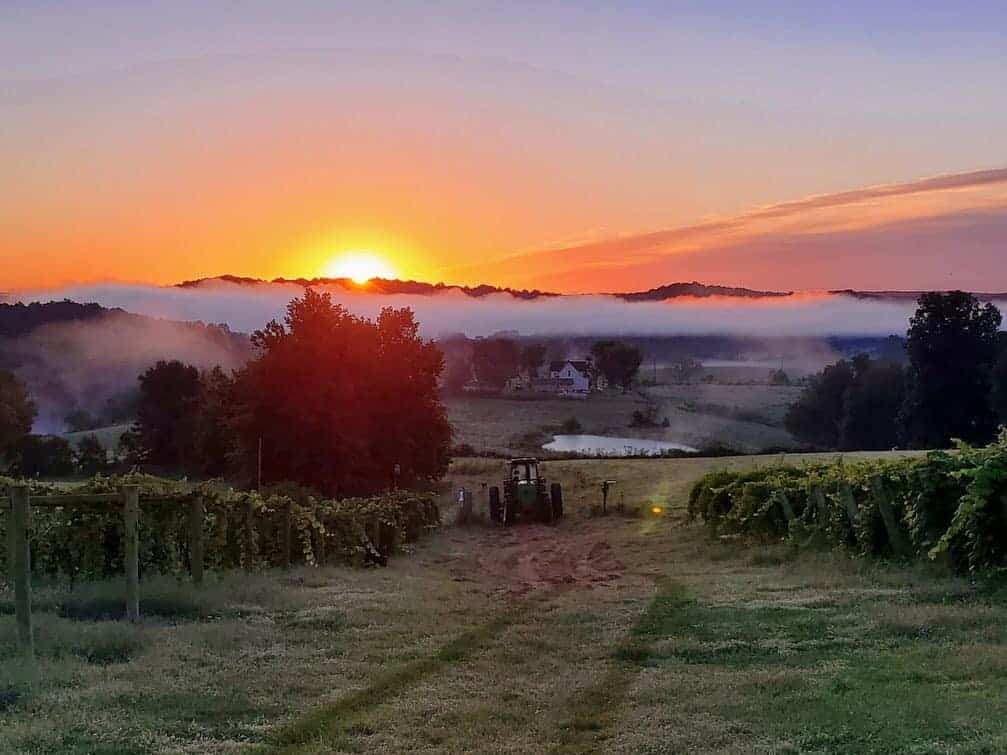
247, 307
81, 365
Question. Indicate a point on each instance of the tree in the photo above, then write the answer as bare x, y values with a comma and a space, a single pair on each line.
166, 416
495, 361
80, 420
213, 440
532, 358
340, 401
42, 456
92, 457
17, 410
850, 405
871, 405
816, 416
618, 362
998, 393
779, 377
952, 344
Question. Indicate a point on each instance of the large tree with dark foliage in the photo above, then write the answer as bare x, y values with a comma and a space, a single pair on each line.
166, 416
495, 360
617, 361
533, 357
17, 410
42, 456
850, 405
952, 346
339, 401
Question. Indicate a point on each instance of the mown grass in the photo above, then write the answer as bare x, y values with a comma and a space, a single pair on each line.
699, 646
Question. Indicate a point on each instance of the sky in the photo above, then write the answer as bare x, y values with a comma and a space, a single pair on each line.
571, 146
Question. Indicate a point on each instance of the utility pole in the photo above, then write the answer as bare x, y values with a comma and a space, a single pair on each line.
259, 467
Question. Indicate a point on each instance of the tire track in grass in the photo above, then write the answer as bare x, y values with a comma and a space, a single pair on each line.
593, 712
341, 718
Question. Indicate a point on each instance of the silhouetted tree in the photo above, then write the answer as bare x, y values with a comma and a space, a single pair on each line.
617, 361
17, 410
871, 405
42, 456
816, 416
952, 347
339, 400
998, 392
214, 442
533, 357
495, 361
166, 416
91, 455
80, 420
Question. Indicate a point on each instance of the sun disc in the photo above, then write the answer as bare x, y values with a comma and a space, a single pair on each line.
359, 267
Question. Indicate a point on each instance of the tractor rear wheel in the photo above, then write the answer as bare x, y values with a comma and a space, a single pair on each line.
496, 512
556, 496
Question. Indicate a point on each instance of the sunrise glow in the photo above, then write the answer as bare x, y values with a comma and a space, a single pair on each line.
359, 267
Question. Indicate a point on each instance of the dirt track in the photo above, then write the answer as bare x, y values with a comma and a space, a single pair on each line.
536, 557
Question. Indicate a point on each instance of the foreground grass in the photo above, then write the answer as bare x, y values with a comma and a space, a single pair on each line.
694, 647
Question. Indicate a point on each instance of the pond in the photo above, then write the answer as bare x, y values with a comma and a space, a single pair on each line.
605, 445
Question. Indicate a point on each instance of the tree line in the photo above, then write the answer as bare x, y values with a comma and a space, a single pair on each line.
343, 404
491, 362
953, 384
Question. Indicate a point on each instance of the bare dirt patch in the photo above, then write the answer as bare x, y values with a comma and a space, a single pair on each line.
538, 557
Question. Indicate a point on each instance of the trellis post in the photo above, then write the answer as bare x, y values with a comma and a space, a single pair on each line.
131, 548
19, 558
287, 534
197, 511
899, 543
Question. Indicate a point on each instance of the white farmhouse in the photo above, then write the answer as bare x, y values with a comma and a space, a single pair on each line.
571, 375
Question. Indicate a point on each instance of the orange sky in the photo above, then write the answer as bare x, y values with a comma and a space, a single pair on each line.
482, 172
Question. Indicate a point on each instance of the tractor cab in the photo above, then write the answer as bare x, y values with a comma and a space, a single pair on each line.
524, 471
525, 495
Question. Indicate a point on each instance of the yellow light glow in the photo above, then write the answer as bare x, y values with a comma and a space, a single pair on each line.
656, 510
359, 267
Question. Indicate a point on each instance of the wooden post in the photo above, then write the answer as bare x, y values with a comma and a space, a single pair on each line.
249, 535
131, 549
788, 510
821, 508
849, 503
287, 535
19, 559
197, 511
319, 537
896, 537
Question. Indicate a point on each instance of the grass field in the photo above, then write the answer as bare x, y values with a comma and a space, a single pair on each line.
600, 634
746, 417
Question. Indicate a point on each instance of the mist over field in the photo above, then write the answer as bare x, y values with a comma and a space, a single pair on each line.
248, 307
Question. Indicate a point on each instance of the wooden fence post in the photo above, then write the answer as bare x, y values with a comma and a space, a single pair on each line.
197, 511
19, 558
788, 510
849, 503
287, 534
319, 541
249, 535
131, 549
896, 537
821, 507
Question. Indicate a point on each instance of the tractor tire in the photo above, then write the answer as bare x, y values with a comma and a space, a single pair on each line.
496, 511
556, 497
545, 510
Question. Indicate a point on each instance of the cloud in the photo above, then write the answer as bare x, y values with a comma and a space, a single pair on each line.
887, 222
247, 307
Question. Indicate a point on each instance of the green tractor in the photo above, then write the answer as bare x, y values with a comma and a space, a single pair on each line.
526, 495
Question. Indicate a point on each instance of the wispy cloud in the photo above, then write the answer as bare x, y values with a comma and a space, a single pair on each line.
855, 222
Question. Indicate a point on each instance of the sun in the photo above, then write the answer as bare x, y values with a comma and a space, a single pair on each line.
358, 266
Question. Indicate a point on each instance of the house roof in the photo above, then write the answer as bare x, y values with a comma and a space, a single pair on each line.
581, 365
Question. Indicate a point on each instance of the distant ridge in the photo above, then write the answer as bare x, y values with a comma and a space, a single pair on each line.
905, 295
392, 286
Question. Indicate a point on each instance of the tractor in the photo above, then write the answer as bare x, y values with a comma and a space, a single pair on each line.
526, 495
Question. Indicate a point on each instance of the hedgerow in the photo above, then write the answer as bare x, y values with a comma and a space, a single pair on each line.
241, 529
948, 506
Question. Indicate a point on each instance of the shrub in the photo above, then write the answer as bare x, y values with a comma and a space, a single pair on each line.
943, 505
